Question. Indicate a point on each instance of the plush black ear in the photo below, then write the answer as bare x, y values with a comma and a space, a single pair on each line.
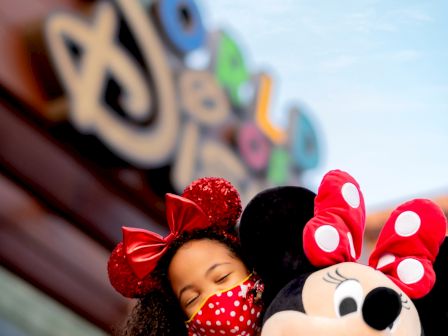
271, 229
289, 298
433, 308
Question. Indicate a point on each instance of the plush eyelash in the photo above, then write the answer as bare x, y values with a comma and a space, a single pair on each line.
337, 278
403, 303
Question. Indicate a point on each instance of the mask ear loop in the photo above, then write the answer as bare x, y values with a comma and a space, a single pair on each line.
408, 246
256, 292
334, 235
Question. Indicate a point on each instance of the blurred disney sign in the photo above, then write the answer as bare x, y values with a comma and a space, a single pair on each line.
128, 76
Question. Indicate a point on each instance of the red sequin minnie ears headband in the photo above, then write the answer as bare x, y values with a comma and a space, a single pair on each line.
205, 203
406, 248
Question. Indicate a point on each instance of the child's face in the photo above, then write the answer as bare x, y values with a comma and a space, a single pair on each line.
201, 268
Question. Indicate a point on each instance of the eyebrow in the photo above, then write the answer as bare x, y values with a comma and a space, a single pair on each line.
210, 269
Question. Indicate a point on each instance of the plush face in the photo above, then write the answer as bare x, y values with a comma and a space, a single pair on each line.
342, 300
337, 296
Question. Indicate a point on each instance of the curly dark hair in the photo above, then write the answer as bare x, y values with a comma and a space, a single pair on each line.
158, 313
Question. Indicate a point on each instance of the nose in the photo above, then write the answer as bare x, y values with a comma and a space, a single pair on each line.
381, 307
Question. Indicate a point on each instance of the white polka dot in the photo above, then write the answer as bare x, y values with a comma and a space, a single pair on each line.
385, 259
219, 294
352, 246
243, 333
327, 238
202, 329
249, 322
241, 318
407, 223
351, 194
223, 310
222, 332
200, 312
229, 294
233, 331
212, 331
252, 311
198, 322
236, 303
244, 307
232, 313
410, 271
228, 322
208, 323
244, 289
217, 312
211, 305
218, 323
258, 314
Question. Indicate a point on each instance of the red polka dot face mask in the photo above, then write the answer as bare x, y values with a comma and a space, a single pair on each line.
235, 311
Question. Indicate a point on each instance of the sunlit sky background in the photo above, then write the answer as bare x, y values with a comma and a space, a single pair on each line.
374, 76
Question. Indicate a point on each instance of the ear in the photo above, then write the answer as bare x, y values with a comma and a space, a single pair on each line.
271, 235
433, 308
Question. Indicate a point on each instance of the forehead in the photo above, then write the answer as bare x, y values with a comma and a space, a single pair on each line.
197, 256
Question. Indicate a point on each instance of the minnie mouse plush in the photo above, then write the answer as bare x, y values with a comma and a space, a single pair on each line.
305, 248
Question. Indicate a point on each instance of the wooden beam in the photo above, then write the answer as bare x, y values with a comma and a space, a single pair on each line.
58, 179
56, 257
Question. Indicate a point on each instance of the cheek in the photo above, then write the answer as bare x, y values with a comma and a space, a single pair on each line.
292, 323
240, 270
190, 310
408, 323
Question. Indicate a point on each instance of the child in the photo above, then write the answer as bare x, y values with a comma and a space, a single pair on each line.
194, 281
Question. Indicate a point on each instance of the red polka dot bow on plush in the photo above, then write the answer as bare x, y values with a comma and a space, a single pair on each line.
406, 248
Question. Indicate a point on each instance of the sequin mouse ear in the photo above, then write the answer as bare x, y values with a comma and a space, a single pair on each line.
218, 198
123, 278
334, 234
408, 246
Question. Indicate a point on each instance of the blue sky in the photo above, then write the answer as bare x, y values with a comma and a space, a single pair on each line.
374, 76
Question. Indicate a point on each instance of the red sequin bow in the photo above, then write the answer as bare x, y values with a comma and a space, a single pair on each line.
143, 249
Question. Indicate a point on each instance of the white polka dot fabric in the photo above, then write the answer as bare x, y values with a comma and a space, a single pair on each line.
335, 233
408, 245
234, 312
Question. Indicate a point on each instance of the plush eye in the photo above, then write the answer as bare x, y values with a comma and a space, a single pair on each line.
348, 297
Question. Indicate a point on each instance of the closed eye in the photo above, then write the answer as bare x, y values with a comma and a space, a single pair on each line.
223, 278
191, 301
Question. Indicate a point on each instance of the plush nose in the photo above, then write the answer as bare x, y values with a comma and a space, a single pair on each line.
381, 307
